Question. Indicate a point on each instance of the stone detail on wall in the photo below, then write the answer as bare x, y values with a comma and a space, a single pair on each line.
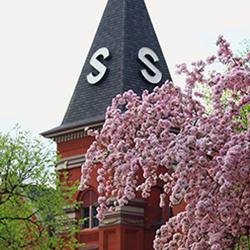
70, 162
69, 221
90, 247
131, 214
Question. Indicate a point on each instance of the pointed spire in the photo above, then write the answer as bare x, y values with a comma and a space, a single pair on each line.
125, 54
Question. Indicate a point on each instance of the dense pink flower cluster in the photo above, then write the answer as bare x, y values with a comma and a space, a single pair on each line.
201, 158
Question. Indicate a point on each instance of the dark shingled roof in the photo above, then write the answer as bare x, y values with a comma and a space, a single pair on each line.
124, 29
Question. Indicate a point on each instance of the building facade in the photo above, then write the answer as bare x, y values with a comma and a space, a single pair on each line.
125, 54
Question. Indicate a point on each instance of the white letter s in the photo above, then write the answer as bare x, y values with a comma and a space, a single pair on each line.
156, 78
95, 63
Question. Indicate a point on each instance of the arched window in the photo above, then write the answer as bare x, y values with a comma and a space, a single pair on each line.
88, 209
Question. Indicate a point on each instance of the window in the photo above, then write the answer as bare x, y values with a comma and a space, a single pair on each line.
88, 210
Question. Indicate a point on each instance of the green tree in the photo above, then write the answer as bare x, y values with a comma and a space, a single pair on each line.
32, 202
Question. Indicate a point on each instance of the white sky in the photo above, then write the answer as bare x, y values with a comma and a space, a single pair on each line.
44, 43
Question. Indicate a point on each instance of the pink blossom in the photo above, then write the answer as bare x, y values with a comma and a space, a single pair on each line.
200, 157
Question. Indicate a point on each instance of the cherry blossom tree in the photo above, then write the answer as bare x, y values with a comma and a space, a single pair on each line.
202, 158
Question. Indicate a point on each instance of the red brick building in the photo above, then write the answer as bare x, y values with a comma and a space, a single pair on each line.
125, 54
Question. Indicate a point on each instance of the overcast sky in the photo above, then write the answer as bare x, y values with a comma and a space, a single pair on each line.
44, 43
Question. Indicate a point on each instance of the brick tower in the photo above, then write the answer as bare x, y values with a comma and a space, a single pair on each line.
125, 54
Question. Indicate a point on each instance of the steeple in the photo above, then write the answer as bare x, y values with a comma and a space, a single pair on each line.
125, 54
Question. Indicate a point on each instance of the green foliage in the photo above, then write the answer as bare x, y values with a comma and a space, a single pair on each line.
31, 199
243, 244
243, 117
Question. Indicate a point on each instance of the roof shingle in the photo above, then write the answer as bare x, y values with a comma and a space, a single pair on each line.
124, 29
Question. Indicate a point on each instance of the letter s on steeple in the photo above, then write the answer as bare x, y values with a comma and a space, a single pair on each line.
96, 64
156, 78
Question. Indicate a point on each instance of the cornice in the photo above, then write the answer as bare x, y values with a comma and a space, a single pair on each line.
75, 133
